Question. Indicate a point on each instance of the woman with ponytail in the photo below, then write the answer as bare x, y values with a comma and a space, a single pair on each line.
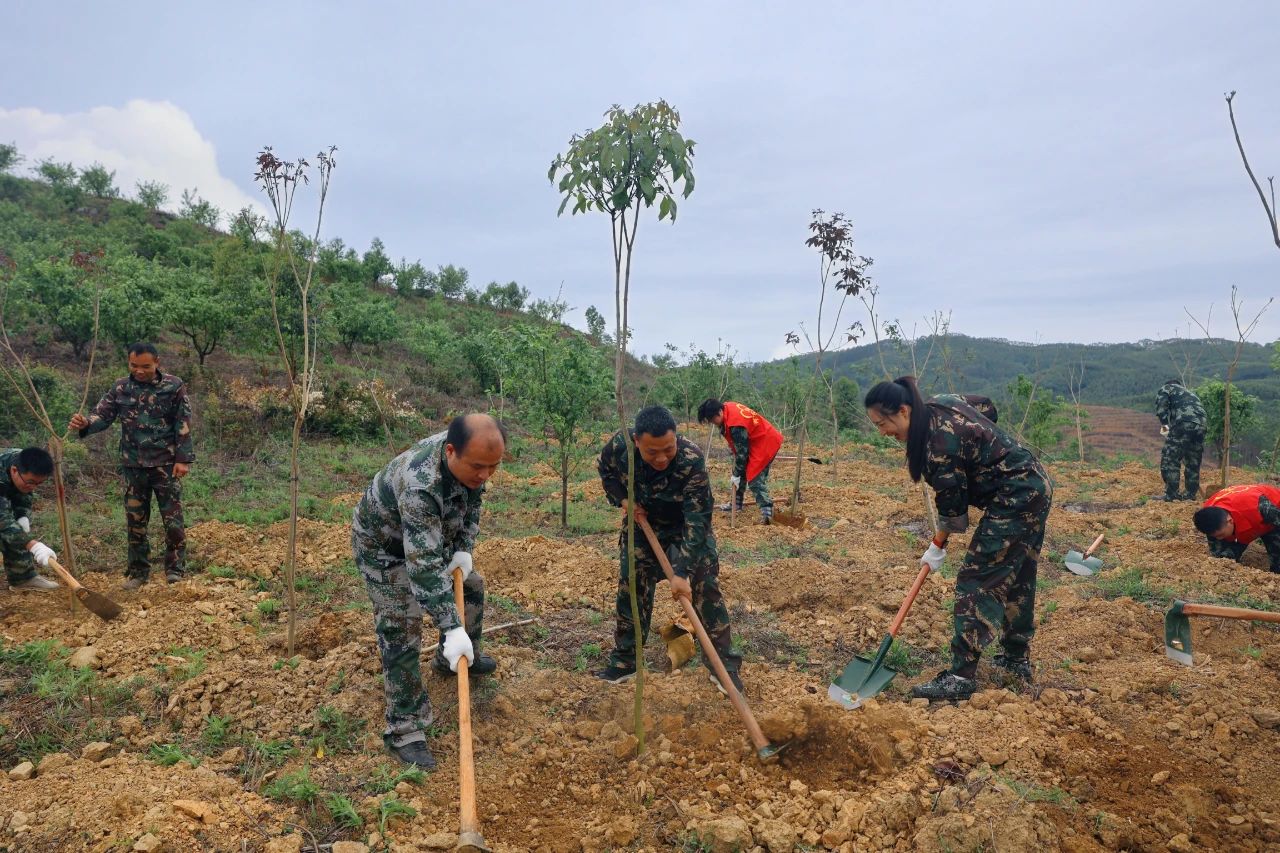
954, 444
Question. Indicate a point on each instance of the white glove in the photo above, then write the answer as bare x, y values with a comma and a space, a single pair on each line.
735, 482
933, 557
461, 560
457, 645
1164, 430
25, 524
42, 554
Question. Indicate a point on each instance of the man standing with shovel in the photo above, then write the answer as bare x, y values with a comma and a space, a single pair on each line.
754, 442
416, 523
21, 472
672, 491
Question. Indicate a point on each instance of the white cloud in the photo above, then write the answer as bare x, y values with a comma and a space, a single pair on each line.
141, 141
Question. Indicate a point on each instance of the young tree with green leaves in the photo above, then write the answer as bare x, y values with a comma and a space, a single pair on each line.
151, 194
200, 311
1214, 395
560, 382
100, 181
10, 159
636, 158
280, 180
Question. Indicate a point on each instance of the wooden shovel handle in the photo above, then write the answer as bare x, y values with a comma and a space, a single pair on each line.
1229, 612
758, 740
908, 601
468, 821
1095, 545
66, 576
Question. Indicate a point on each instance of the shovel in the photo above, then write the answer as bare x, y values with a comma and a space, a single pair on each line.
1084, 564
1177, 627
469, 838
765, 751
95, 602
866, 677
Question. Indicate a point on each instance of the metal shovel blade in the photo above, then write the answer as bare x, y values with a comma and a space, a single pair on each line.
98, 604
863, 678
1177, 634
1079, 564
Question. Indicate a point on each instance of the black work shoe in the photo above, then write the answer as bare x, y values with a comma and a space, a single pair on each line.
734, 677
174, 577
1170, 498
482, 665
1019, 667
416, 753
766, 515
615, 674
133, 583
727, 507
947, 685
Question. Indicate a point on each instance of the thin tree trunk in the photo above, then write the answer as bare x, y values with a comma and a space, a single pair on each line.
60, 493
1226, 428
564, 488
290, 563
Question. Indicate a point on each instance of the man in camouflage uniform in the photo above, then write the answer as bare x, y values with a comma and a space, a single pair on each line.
1237, 515
155, 454
969, 461
1183, 424
416, 523
673, 492
21, 472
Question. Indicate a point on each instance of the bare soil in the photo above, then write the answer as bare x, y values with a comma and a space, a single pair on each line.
1115, 747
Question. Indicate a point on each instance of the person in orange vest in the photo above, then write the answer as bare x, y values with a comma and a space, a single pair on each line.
1237, 515
754, 442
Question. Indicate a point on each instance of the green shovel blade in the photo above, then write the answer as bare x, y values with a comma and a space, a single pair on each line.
863, 678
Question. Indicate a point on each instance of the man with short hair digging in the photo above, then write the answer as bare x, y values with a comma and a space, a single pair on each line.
1237, 515
21, 472
673, 493
754, 442
416, 523
155, 454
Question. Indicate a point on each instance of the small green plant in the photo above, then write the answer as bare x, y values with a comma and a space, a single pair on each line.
1067, 663
390, 808
1175, 690
296, 786
338, 683
169, 754
1033, 793
383, 781
1131, 582
1050, 607
269, 607
912, 540
221, 571
1252, 651
216, 731
586, 655
904, 659
336, 731
343, 811
292, 663
182, 663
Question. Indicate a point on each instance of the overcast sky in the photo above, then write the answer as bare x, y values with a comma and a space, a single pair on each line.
1053, 172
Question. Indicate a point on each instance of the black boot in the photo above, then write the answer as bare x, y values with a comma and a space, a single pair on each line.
1018, 667
947, 685
482, 665
416, 753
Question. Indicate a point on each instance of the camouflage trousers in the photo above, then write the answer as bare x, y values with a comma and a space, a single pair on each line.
397, 622
759, 489
707, 599
139, 485
996, 586
1235, 550
1180, 459
18, 563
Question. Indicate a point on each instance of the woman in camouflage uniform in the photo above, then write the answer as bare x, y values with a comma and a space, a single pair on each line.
969, 461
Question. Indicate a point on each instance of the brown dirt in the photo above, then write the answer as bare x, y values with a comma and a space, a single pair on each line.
1116, 747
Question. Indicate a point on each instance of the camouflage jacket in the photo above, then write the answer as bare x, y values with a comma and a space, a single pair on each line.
677, 500
972, 462
13, 504
417, 511
1179, 408
155, 421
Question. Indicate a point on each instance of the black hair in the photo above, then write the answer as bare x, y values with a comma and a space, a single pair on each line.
1210, 519
655, 421
888, 398
459, 434
35, 460
144, 348
709, 409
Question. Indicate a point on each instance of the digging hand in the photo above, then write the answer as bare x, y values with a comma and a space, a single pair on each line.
461, 560
25, 524
933, 557
42, 554
680, 588
640, 513
1164, 430
457, 645
735, 481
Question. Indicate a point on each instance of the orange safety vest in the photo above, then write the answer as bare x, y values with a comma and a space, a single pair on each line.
1241, 502
764, 440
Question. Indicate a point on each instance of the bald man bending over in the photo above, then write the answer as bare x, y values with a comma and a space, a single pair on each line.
416, 523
